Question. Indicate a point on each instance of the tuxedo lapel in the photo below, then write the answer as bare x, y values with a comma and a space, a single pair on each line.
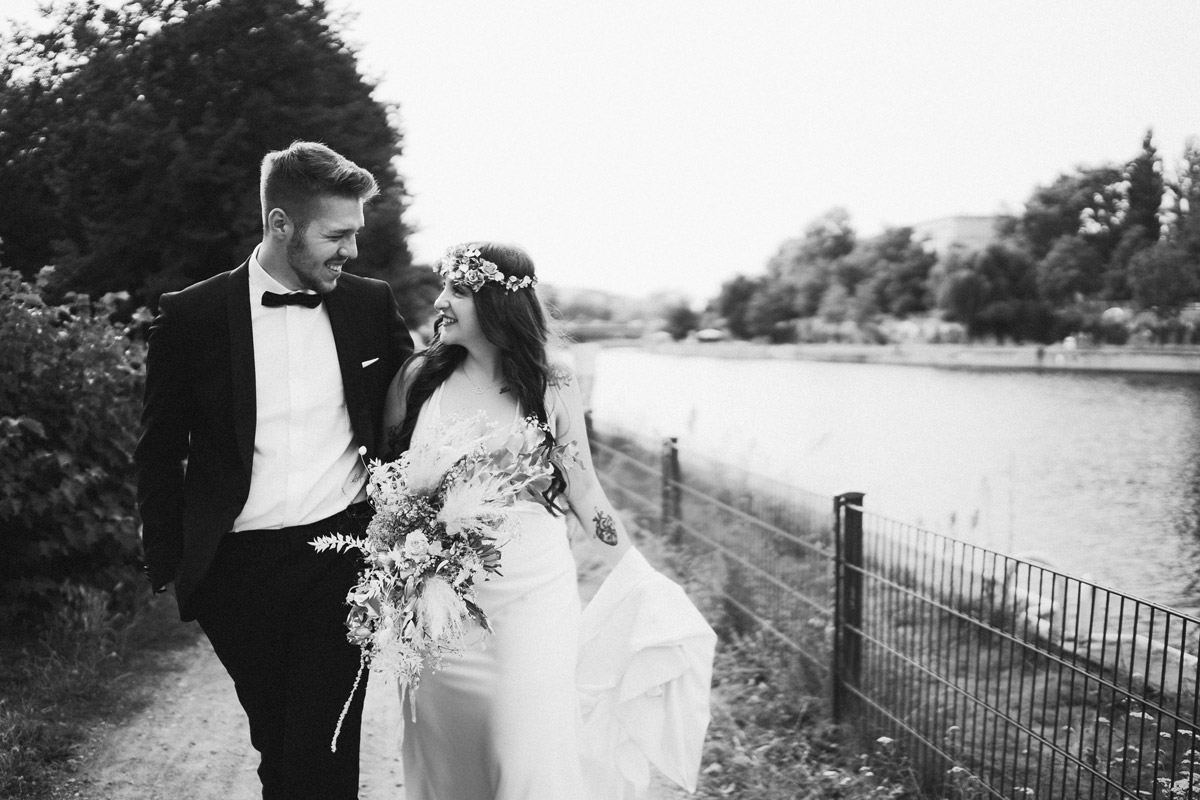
346, 337
241, 357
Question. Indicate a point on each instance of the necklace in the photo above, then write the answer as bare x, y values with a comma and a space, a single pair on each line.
480, 389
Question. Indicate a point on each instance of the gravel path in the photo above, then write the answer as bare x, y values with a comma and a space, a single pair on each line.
194, 745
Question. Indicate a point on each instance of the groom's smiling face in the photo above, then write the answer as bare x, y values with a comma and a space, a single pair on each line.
317, 252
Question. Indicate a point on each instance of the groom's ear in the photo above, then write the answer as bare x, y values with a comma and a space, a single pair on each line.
279, 225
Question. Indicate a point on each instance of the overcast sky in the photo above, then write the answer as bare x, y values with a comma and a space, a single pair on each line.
636, 145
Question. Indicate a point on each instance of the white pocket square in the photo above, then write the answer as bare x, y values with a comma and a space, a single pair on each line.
369, 362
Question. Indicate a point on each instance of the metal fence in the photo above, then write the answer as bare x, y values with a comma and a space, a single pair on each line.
772, 545
996, 676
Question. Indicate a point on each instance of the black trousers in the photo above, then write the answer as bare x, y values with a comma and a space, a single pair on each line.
274, 610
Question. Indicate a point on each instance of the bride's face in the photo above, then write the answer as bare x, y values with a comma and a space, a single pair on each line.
455, 307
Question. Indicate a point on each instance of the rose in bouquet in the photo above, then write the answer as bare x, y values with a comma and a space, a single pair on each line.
442, 512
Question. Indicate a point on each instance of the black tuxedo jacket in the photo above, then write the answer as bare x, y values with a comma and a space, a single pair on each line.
197, 442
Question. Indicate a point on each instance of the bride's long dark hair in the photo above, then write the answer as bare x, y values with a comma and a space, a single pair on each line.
517, 325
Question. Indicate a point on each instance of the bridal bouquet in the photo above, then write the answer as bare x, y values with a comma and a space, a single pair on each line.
440, 511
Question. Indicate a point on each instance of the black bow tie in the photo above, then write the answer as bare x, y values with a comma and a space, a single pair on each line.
306, 299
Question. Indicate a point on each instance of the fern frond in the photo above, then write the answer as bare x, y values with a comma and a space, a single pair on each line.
339, 542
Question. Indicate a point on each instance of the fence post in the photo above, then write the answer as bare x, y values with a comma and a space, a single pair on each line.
847, 612
671, 512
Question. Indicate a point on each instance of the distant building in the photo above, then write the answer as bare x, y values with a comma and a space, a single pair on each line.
963, 233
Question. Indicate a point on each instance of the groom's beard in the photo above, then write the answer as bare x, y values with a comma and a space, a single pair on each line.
308, 269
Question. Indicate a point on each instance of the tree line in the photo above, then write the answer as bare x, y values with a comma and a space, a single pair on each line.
1115, 236
131, 137
130, 140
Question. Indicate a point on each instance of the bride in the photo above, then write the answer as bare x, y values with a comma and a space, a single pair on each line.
502, 722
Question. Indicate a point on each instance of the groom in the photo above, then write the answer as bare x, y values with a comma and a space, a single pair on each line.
264, 395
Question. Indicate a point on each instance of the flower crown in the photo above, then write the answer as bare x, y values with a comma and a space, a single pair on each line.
465, 266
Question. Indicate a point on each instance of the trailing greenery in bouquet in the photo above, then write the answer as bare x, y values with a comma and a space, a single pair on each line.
442, 511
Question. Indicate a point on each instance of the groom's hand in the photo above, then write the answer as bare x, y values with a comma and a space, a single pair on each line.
158, 588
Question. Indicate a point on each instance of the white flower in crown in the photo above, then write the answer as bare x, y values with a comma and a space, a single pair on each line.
466, 266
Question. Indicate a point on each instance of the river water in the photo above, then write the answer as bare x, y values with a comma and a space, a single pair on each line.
1099, 475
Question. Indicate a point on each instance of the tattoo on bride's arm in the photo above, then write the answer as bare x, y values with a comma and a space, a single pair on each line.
606, 529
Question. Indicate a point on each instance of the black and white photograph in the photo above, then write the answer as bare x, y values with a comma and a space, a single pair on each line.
637, 400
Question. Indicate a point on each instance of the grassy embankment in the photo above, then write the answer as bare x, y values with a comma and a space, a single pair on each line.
771, 735
83, 664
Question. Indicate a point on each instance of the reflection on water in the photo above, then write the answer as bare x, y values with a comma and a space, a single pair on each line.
1096, 474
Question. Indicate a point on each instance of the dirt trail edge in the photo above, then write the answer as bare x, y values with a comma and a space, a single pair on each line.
194, 743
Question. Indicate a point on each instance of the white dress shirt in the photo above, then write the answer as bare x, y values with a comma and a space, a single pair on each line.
306, 462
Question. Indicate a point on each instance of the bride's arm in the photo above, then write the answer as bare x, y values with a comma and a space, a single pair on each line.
585, 497
395, 405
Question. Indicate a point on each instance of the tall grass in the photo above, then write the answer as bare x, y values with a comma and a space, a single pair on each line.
64, 671
771, 736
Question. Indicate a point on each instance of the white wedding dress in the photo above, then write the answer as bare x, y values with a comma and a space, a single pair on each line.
501, 722
541, 711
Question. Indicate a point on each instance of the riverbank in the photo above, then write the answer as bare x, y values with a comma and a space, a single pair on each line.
1164, 359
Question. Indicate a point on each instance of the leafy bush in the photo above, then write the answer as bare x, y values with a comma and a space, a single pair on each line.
70, 385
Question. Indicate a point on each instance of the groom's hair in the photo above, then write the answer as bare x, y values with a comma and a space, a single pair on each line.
297, 178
